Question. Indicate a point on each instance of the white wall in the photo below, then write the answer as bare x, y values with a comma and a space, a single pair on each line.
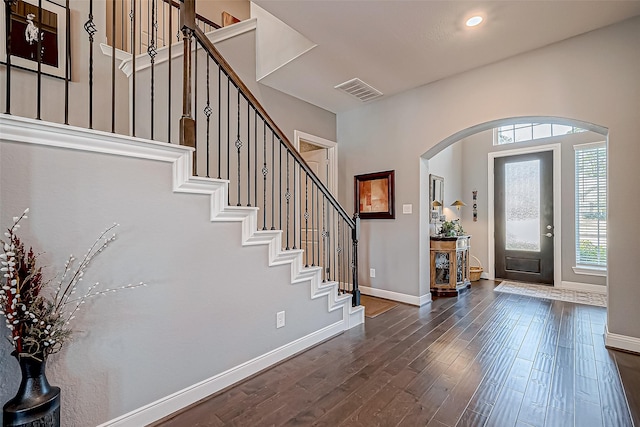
449, 165
592, 77
210, 305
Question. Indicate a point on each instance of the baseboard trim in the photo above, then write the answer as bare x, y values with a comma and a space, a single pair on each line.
584, 287
396, 296
621, 342
168, 405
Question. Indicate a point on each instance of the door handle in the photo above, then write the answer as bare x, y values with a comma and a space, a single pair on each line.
549, 227
548, 234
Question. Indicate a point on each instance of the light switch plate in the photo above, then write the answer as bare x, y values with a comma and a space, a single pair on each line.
407, 209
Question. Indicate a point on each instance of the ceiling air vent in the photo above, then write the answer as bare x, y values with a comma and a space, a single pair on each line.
359, 89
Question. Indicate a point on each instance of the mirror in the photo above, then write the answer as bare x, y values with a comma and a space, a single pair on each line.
436, 194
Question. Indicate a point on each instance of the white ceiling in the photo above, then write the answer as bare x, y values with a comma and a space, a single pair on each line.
395, 45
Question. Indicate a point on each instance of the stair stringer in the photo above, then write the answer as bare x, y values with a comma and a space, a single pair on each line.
218, 189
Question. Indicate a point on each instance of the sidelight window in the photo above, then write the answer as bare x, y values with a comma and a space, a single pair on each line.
591, 206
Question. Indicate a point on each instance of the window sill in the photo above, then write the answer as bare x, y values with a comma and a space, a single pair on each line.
590, 271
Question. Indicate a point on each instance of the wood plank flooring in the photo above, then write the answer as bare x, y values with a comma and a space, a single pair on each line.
481, 359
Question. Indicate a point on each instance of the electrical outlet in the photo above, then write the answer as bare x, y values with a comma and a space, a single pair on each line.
372, 272
280, 319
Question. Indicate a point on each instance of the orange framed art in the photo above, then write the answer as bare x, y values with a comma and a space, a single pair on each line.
374, 195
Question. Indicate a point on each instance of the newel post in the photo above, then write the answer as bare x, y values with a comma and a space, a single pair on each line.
355, 235
187, 26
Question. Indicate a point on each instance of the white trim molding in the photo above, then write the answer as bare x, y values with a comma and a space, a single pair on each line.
583, 287
143, 61
621, 342
167, 405
332, 155
589, 271
396, 296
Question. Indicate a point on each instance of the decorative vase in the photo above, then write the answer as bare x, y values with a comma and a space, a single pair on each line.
37, 403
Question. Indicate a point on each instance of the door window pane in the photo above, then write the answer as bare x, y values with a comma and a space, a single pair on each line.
522, 205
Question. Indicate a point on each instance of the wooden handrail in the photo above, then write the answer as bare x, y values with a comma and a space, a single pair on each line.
246, 93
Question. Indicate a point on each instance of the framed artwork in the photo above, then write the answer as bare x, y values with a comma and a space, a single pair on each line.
436, 196
374, 195
25, 32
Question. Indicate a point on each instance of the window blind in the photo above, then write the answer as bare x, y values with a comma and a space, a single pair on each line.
591, 205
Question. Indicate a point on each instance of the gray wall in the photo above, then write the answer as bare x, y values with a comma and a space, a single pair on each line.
592, 77
210, 304
474, 172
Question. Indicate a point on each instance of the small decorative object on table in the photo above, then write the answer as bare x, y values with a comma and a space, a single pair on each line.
38, 321
451, 229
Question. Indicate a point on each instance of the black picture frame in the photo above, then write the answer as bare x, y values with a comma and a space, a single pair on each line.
53, 33
374, 195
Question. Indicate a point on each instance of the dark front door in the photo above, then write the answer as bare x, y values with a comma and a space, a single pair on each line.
523, 196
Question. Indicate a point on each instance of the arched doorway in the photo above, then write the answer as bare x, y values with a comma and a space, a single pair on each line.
483, 243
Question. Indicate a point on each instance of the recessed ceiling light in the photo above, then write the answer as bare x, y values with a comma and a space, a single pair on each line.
474, 20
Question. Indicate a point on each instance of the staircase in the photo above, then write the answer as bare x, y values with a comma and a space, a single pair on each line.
252, 177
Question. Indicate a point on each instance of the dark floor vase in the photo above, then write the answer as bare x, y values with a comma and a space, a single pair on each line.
37, 403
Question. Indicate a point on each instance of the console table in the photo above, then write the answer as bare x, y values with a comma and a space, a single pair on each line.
449, 265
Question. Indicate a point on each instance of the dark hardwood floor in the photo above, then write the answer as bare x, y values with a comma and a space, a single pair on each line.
482, 359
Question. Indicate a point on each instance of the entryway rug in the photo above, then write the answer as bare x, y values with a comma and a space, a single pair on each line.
375, 306
550, 292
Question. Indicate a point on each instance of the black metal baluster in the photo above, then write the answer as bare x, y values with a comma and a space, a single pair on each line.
228, 136
273, 187
113, 68
151, 51
295, 213
91, 29
219, 123
132, 16
324, 242
348, 268
169, 73
355, 301
255, 156
67, 63
287, 196
345, 256
195, 107
313, 246
8, 13
207, 112
238, 146
306, 220
338, 263
318, 218
280, 175
39, 59
249, 154
330, 231
264, 176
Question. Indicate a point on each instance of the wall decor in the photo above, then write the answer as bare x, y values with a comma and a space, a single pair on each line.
27, 31
436, 195
475, 205
374, 195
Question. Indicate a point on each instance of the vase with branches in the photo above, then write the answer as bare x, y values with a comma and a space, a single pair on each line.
39, 315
